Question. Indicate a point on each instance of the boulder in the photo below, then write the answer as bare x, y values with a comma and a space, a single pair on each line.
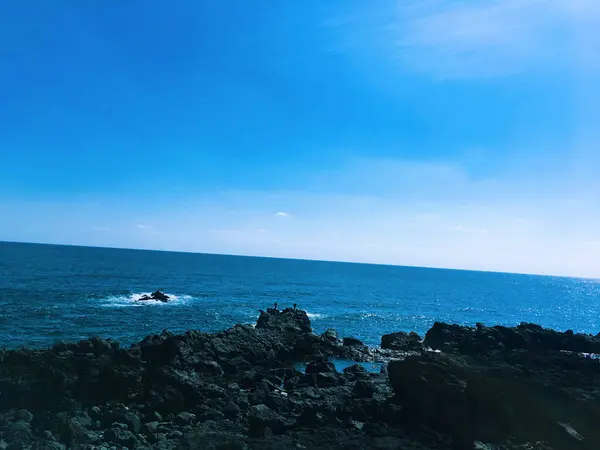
351, 342
401, 341
330, 335
231, 410
118, 435
320, 366
356, 371
294, 320
185, 418
324, 379
18, 434
260, 417
364, 388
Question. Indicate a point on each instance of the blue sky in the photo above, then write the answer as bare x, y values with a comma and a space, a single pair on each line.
437, 133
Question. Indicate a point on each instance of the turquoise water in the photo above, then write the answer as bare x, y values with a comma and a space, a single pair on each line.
50, 293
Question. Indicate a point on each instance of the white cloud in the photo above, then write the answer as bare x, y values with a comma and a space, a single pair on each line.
498, 37
282, 214
468, 38
147, 229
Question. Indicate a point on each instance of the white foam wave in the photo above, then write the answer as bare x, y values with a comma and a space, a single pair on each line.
123, 301
315, 316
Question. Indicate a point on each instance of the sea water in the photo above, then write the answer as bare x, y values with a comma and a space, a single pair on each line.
50, 293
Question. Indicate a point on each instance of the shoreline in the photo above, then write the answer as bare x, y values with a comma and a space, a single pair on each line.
458, 388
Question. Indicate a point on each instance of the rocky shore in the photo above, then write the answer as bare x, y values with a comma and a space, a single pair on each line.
458, 388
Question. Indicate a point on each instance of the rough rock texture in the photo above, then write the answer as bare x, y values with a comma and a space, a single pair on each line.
526, 397
402, 341
350, 341
238, 389
528, 336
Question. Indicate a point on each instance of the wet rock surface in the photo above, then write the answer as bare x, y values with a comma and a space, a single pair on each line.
156, 296
489, 388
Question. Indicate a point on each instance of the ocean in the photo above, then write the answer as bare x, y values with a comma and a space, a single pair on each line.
50, 293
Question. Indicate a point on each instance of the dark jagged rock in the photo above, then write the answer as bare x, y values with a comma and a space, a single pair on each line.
156, 296
120, 436
364, 389
481, 339
320, 366
356, 370
495, 397
330, 335
288, 320
260, 417
350, 342
492, 388
402, 341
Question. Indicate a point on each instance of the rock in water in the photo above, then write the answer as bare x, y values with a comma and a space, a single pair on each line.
156, 296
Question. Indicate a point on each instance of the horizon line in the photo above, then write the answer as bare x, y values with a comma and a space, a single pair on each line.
302, 259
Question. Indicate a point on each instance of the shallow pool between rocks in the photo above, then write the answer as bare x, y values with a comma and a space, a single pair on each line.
341, 364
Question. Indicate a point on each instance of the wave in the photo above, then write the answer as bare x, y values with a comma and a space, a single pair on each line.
315, 316
123, 301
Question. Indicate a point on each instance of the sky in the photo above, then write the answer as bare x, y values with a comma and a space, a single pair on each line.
438, 133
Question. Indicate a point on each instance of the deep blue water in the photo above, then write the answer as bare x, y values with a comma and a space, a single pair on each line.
50, 293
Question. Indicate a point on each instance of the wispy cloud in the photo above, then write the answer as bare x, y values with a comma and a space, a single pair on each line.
499, 37
282, 214
466, 39
147, 229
